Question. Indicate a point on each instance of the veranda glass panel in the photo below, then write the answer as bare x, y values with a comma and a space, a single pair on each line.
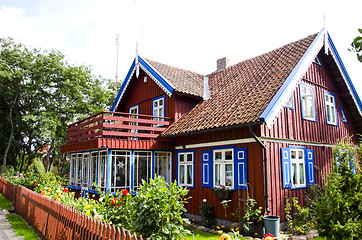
85, 170
163, 165
79, 169
102, 169
120, 176
142, 168
72, 171
93, 170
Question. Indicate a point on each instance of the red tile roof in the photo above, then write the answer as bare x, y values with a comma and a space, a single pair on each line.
185, 81
240, 93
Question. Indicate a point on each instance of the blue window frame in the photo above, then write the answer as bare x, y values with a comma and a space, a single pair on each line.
290, 103
297, 167
224, 166
185, 173
343, 115
307, 101
331, 110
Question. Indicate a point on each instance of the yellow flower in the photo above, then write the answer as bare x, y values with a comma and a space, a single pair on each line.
222, 226
57, 199
88, 207
256, 234
219, 232
35, 180
87, 212
59, 196
302, 231
225, 237
232, 229
59, 183
236, 229
217, 227
31, 182
42, 192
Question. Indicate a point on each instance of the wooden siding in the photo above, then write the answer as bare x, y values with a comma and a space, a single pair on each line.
290, 125
255, 172
277, 194
140, 93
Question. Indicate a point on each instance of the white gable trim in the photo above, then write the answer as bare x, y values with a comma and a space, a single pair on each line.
157, 77
273, 109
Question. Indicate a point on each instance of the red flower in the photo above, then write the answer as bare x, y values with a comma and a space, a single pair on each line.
65, 190
268, 236
124, 192
114, 201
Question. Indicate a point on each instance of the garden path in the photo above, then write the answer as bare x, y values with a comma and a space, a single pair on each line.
6, 231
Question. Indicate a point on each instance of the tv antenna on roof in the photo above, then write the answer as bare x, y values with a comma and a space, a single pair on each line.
116, 87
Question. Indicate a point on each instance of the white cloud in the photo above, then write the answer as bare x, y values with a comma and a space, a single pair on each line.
188, 34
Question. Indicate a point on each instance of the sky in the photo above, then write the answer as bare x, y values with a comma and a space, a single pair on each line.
189, 34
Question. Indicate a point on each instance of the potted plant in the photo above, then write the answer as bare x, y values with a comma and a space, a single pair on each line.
249, 216
222, 192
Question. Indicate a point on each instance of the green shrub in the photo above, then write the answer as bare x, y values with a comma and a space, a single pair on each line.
300, 222
158, 208
338, 209
207, 213
36, 168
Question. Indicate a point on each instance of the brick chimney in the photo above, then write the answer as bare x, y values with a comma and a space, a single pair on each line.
222, 63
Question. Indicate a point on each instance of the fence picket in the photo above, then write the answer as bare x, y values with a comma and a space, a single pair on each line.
52, 220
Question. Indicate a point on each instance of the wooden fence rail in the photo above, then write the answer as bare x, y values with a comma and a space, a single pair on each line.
53, 220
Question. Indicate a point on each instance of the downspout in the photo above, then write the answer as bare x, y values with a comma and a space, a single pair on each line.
265, 169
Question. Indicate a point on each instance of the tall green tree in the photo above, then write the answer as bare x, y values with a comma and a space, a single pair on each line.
40, 95
357, 46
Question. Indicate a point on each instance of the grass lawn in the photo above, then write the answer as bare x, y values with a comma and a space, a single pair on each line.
17, 222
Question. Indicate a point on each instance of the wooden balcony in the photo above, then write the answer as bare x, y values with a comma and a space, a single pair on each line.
105, 127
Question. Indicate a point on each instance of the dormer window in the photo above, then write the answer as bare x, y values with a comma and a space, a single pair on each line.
331, 111
308, 102
159, 108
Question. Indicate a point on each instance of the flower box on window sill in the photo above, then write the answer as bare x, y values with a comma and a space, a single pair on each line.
223, 195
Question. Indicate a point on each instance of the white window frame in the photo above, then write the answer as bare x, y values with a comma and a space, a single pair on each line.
307, 99
134, 110
93, 166
331, 110
78, 173
136, 174
298, 161
85, 172
160, 156
221, 165
115, 169
183, 165
290, 102
102, 169
72, 172
158, 110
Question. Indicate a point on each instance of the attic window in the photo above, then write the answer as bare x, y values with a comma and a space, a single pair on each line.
290, 102
343, 115
317, 61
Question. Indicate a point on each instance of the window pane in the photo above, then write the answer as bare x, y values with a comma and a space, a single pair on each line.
189, 157
182, 174
217, 175
218, 156
182, 157
293, 154
301, 174
228, 155
228, 174
189, 174
163, 165
294, 173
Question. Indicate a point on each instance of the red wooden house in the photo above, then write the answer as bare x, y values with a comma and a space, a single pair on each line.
264, 127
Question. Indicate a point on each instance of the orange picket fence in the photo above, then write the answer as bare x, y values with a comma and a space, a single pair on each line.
53, 220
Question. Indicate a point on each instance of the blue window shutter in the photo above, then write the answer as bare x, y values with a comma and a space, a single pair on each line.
241, 169
287, 181
206, 169
310, 166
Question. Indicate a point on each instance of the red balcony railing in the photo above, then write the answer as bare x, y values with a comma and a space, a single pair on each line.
117, 125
